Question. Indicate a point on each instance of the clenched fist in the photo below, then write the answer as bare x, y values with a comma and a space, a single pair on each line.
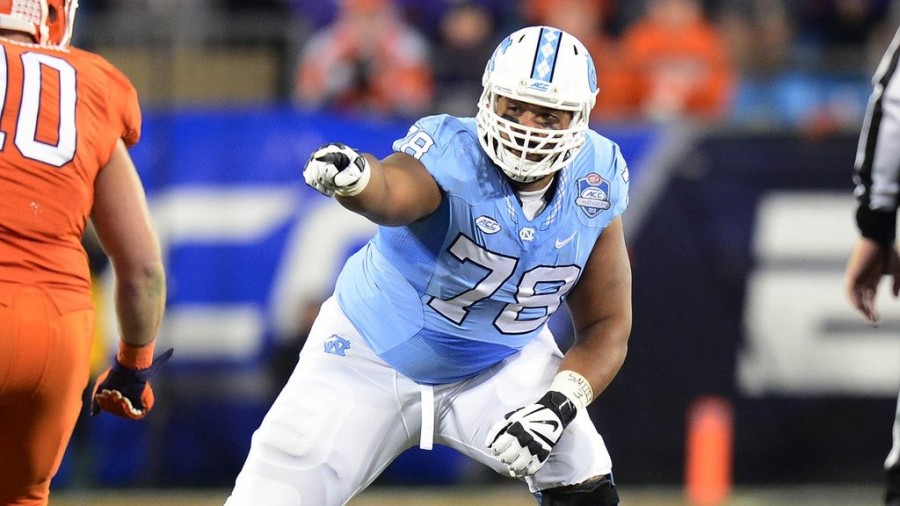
337, 169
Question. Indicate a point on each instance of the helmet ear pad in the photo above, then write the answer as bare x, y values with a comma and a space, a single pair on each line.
60, 16
543, 66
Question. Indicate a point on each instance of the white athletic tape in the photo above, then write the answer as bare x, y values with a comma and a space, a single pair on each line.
359, 185
574, 386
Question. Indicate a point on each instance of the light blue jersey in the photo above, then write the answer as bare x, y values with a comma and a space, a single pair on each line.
448, 296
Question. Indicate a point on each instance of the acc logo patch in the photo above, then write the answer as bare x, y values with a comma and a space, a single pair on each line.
539, 85
593, 194
487, 225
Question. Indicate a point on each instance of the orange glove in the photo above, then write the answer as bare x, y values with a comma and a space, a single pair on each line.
124, 389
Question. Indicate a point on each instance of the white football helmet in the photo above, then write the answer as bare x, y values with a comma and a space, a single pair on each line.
48, 21
544, 66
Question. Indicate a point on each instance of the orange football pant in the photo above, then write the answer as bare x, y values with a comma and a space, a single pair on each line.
44, 367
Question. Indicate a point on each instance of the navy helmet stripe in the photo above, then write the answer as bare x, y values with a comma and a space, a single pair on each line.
545, 54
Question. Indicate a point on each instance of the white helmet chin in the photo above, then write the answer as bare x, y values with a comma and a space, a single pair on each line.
543, 66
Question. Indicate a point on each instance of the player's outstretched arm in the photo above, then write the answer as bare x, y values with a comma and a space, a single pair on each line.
601, 311
395, 191
123, 226
868, 262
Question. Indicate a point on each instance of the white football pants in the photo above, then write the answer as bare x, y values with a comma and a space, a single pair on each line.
344, 415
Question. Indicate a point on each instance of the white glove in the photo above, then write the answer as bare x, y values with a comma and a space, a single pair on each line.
337, 169
524, 438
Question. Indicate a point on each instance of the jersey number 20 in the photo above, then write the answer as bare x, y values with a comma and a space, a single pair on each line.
26, 139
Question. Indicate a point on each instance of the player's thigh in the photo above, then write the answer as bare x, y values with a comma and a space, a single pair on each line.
41, 397
477, 404
334, 427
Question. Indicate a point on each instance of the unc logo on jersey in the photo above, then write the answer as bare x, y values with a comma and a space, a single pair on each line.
487, 225
337, 345
593, 194
526, 234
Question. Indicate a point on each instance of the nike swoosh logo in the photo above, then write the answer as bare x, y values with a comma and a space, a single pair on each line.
560, 244
551, 423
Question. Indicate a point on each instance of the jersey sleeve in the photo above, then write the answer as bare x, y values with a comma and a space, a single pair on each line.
877, 167
603, 181
620, 182
442, 143
423, 140
125, 112
114, 102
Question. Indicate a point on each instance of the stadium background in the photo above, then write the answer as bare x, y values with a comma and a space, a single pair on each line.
738, 231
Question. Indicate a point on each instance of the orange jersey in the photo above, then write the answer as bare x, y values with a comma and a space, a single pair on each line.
63, 111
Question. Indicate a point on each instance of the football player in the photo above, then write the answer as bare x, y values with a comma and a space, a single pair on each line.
437, 329
877, 178
67, 119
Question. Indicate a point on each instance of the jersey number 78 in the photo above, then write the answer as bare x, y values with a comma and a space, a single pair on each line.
539, 292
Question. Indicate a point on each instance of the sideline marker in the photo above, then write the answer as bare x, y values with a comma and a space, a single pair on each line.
708, 451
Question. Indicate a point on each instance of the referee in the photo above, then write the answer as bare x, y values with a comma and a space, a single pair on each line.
877, 179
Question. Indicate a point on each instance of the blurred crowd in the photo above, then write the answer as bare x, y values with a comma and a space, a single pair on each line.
657, 60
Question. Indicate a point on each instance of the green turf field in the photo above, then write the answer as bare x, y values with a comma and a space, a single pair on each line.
863, 495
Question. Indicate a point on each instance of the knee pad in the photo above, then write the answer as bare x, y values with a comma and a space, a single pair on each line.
597, 491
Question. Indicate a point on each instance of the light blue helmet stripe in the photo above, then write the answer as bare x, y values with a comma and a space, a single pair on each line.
545, 55
592, 73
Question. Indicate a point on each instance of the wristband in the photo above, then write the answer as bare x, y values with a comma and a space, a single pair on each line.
880, 226
575, 387
135, 357
365, 172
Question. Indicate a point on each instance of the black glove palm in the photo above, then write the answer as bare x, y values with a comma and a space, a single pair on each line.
126, 392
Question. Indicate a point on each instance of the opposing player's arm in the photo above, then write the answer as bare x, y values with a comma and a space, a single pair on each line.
399, 192
601, 311
122, 222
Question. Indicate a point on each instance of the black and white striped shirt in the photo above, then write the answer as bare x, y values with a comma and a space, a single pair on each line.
877, 167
